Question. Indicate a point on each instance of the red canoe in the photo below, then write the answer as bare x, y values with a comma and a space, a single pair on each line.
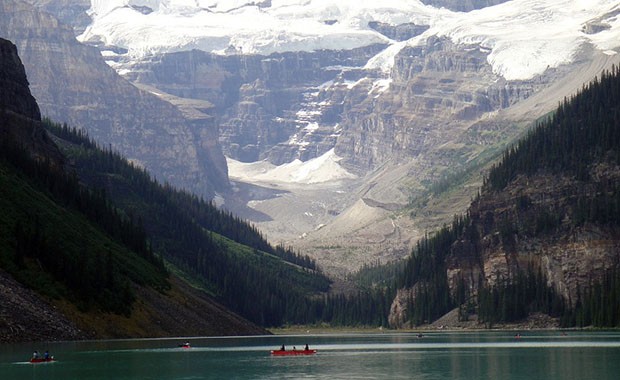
41, 360
293, 352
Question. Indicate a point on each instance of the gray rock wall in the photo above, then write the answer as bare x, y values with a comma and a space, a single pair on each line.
258, 99
15, 95
463, 5
72, 84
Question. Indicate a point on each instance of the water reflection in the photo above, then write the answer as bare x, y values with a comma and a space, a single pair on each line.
485, 355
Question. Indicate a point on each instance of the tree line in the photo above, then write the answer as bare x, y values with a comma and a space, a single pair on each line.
228, 256
197, 237
61, 226
583, 131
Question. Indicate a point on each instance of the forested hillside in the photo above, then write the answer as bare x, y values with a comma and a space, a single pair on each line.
91, 246
73, 266
94, 259
225, 255
544, 233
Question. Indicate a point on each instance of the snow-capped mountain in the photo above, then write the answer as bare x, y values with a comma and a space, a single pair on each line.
522, 37
342, 112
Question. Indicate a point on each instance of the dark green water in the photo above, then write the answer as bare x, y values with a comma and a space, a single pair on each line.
485, 355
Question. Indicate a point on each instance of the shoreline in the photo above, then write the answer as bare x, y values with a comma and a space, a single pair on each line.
313, 330
324, 330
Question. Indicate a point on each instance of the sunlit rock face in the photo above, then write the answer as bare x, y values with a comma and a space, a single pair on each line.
280, 107
377, 82
72, 84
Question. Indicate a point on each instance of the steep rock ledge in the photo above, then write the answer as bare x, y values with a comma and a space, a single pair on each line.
513, 224
72, 84
23, 314
15, 96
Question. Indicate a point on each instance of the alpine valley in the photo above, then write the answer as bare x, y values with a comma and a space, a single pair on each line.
412, 139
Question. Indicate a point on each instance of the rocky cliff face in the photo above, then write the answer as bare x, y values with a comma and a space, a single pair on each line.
463, 5
15, 96
69, 12
435, 105
27, 316
274, 107
23, 314
439, 111
518, 233
514, 226
437, 101
72, 84
20, 118
299, 105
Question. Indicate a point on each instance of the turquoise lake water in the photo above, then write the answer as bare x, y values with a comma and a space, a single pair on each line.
440, 355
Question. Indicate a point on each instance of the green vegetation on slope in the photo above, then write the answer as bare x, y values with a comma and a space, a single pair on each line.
66, 241
226, 255
584, 132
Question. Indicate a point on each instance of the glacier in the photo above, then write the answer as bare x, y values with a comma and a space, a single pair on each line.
322, 169
523, 37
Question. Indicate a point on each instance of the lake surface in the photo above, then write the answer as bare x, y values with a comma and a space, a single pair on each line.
440, 355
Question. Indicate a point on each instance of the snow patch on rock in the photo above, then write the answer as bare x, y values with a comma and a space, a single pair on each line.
317, 170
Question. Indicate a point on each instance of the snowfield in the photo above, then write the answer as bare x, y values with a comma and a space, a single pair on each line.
523, 37
317, 170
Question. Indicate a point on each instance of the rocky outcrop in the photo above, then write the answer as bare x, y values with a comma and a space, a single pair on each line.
15, 96
438, 91
528, 228
20, 118
401, 32
514, 226
463, 5
72, 84
69, 12
265, 105
25, 316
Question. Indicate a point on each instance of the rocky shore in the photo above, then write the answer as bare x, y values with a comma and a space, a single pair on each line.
26, 317
535, 321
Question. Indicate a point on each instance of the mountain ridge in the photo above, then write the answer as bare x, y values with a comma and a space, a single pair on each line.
544, 221
442, 93
84, 92
47, 243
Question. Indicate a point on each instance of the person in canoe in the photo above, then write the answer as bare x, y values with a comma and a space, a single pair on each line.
38, 358
294, 352
282, 348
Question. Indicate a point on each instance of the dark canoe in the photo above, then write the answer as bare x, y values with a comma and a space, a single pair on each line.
292, 352
41, 360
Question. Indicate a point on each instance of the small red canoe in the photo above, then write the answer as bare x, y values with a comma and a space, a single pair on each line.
292, 352
41, 360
